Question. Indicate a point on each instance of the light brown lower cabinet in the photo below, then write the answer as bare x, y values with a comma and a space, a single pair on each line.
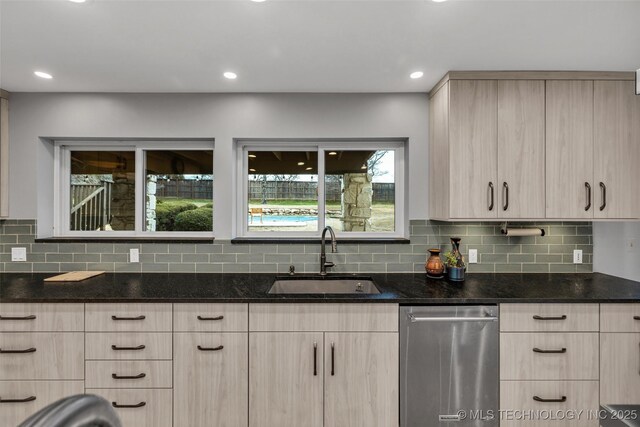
21, 399
316, 379
549, 403
140, 407
620, 368
210, 380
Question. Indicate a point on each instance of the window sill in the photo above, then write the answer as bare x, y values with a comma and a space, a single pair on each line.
124, 240
317, 240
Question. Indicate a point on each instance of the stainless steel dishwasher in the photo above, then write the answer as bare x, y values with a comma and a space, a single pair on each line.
449, 372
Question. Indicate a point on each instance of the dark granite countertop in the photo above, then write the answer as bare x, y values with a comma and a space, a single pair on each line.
398, 288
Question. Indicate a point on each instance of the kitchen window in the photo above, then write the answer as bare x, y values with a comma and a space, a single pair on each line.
134, 189
295, 189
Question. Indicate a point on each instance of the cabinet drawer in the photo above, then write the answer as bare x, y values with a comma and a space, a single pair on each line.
41, 317
577, 396
549, 317
210, 317
551, 356
42, 356
620, 317
45, 393
128, 317
128, 374
323, 317
128, 346
140, 407
619, 366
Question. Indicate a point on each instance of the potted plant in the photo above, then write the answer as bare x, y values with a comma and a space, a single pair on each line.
455, 267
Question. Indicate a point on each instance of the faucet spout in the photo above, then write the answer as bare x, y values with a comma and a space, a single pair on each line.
323, 251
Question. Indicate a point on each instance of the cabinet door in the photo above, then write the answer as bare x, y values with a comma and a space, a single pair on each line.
361, 379
619, 376
285, 381
210, 379
616, 149
569, 149
473, 148
521, 156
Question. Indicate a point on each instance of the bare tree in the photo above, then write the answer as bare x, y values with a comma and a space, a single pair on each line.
375, 162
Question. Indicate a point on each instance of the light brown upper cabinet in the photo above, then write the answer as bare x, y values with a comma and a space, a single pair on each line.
616, 134
570, 149
487, 150
534, 145
4, 154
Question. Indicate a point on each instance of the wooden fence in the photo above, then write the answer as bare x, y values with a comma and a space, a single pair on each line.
185, 189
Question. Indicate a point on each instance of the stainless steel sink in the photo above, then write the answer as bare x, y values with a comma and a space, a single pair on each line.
328, 285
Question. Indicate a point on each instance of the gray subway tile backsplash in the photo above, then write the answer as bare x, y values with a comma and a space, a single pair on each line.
551, 253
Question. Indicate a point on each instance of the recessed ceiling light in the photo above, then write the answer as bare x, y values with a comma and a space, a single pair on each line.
416, 74
252, 170
438, 1
230, 75
308, 169
300, 163
77, 1
258, 1
252, 156
332, 153
43, 75
363, 167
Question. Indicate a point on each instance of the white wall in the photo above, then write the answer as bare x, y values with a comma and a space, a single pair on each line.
612, 253
220, 116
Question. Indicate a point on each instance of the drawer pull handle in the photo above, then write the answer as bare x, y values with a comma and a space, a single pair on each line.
137, 405
140, 347
537, 350
128, 377
128, 318
636, 317
31, 317
26, 399
333, 359
315, 359
210, 318
540, 399
563, 317
218, 348
27, 350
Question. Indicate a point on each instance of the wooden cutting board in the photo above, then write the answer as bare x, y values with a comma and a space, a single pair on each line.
74, 276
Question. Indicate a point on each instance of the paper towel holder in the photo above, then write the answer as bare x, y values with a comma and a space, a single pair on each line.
516, 232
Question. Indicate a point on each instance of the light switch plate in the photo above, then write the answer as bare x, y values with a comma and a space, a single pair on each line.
577, 256
134, 255
473, 256
18, 254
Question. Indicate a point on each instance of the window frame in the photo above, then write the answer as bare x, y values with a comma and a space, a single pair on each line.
398, 145
62, 179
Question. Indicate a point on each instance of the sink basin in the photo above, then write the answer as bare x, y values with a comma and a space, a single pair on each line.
326, 285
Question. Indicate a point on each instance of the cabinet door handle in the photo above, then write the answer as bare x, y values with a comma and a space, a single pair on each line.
128, 377
140, 347
142, 317
333, 359
210, 318
563, 317
26, 350
26, 399
315, 359
137, 405
218, 348
540, 399
491, 196
537, 350
505, 188
30, 317
636, 317
587, 186
603, 192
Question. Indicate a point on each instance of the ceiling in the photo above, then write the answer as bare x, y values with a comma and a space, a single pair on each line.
302, 45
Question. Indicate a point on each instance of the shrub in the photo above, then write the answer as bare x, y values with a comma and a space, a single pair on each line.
207, 206
167, 212
200, 219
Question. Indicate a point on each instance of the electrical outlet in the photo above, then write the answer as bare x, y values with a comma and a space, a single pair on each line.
134, 255
473, 256
18, 254
577, 256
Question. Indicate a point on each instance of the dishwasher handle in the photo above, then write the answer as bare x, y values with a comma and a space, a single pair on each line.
413, 318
